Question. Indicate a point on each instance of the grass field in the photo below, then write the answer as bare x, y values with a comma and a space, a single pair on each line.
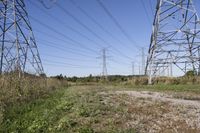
74, 109
96, 108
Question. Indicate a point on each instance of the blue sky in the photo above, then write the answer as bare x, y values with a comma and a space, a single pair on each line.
80, 58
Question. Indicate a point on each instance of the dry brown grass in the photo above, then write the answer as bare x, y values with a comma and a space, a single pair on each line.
165, 80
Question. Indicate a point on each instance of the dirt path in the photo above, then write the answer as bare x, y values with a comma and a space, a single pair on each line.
161, 97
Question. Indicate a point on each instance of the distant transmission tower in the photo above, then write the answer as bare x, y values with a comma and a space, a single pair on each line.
18, 47
143, 62
104, 70
175, 38
133, 68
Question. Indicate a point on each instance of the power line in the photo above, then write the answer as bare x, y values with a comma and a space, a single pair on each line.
145, 10
67, 37
59, 39
119, 62
64, 50
67, 58
63, 23
49, 35
64, 66
61, 46
67, 26
90, 30
53, 44
46, 6
151, 7
55, 18
68, 64
96, 22
117, 23
44, 33
79, 22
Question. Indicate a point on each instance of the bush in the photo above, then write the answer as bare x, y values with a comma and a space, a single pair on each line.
140, 80
191, 73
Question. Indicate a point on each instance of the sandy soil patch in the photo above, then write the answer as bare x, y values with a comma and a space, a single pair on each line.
155, 112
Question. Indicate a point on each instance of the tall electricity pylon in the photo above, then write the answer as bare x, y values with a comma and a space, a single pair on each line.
175, 39
18, 49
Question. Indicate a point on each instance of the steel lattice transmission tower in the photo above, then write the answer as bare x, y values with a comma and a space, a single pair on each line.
18, 47
104, 69
175, 39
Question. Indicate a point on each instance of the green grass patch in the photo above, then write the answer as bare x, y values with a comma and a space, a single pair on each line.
159, 87
73, 109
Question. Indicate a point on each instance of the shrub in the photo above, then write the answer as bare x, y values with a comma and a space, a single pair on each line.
191, 73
